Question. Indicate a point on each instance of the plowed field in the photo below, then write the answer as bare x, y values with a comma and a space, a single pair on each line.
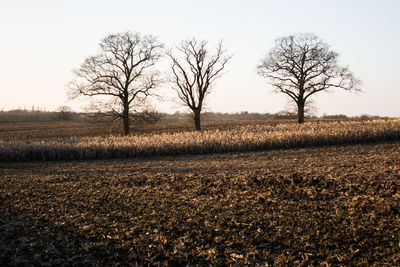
336, 205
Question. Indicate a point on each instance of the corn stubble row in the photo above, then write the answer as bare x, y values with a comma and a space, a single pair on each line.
242, 138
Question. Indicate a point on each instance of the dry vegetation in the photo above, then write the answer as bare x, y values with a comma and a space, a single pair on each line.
336, 205
234, 139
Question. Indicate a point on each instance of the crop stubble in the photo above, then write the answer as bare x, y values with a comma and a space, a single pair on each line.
236, 139
335, 205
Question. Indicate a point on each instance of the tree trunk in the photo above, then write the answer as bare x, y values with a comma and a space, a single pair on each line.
125, 118
300, 112
197, 120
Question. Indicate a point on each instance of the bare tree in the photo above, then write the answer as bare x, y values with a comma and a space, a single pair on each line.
64, 113
194, 72
122, 71
302, 65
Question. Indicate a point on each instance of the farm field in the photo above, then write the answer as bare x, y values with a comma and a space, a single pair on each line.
337, 205
39, 130
216, 139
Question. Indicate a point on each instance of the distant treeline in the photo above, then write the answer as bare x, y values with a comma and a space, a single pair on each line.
145, 117
26, 115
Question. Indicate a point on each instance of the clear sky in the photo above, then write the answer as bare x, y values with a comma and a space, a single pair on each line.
42, 41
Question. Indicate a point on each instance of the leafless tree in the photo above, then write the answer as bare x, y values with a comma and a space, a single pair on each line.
194, 72
302, 65
122, 71
64, 113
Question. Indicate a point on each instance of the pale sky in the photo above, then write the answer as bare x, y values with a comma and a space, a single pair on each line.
42, 41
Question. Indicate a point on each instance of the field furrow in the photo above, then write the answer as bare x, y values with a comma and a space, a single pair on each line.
334, 205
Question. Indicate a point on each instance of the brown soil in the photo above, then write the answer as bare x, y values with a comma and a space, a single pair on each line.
336, 206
